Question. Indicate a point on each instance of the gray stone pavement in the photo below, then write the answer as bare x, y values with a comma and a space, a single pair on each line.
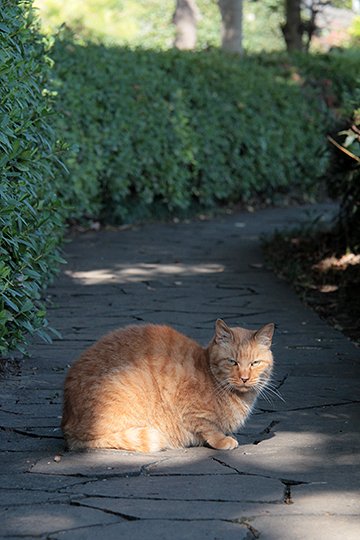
295, 474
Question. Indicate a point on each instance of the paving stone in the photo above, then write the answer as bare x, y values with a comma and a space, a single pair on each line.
46, 518
234, 487
95, 463
10, 497
309, 456
321, 527
37, 482
193, 510
10, 420
17, 461
328, 497
161, 530
29, 443
305, 500
191, 461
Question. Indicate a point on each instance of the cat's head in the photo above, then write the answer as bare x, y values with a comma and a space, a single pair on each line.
241, 359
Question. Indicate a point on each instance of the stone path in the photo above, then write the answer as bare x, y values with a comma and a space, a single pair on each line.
295, 474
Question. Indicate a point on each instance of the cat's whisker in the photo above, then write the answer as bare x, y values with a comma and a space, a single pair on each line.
275, 392
269, 383
222, 388
220, 392
262, 393
263, 389
271, 387
270, 394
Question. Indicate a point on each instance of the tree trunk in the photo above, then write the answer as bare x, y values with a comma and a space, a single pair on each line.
185, 18
231, 16
293, 28
356, 6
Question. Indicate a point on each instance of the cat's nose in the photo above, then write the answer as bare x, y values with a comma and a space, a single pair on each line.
244, 379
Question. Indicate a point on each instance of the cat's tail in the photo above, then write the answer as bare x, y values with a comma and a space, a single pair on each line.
136, 439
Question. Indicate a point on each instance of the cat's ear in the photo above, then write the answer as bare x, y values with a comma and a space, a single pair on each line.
264, 335
223, 334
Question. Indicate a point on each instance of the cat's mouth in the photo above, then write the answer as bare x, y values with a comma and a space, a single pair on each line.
240, 387
243, 388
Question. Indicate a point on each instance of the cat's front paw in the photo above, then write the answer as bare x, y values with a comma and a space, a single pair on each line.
224, 443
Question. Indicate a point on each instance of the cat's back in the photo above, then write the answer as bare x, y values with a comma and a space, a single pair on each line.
132, 346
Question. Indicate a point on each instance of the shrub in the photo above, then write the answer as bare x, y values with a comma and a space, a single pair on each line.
166, 131
344, 176
333, 74
336, 74
30, 221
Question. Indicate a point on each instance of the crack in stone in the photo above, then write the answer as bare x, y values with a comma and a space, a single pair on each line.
127, 517
285, 481
53, 535
234, 288
188, 475
238, 316
215, 301
287, 495
172, 499
253, 533
144, 468
28, 433
92, 477
242, 473
287, 489
282, 381
306, 347
60, 499
59, 490
309, 407
143, 471
267, 432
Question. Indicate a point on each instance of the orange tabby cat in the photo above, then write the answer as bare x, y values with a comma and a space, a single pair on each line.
147, 388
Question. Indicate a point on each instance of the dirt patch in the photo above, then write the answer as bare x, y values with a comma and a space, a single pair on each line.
324, 273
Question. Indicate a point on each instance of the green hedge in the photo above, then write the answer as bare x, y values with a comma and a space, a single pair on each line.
30, 220
156, 132
334, 74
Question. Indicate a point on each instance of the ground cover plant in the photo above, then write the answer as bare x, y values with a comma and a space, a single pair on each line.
30, 220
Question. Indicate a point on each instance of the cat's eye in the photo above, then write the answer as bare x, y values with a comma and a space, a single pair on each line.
232, 361
256, 362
